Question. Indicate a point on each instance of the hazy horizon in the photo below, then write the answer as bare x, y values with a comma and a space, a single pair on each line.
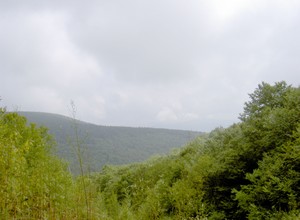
166, 64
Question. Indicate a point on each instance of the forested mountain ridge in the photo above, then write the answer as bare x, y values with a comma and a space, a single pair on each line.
108, 144
250, 170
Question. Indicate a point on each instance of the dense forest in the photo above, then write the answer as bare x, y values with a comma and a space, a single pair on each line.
250, 170
101, 145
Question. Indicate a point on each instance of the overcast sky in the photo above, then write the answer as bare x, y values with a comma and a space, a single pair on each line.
181, 64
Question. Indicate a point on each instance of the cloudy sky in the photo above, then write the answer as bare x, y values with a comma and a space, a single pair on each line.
161, 63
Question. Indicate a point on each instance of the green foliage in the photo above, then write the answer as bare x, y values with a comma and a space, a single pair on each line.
271, 116
34, 184
275, 185
265, 97
250, 170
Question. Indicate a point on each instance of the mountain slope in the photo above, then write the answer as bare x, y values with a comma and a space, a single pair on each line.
108, 144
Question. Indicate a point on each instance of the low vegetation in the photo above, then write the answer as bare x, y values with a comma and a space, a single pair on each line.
250, 170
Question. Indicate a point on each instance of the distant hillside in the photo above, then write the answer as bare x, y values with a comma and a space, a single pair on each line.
108, 144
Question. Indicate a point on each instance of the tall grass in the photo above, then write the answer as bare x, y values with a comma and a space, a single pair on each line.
78, 147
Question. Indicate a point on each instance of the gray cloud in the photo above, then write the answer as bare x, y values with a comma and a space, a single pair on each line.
174, 64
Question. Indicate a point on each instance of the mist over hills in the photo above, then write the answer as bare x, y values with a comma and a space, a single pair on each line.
103, 145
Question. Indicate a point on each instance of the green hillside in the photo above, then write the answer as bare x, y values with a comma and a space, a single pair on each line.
250, 170
108, 144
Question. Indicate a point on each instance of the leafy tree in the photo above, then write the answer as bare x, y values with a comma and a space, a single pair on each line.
271, 130
275, 185
265, 96
269, 121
